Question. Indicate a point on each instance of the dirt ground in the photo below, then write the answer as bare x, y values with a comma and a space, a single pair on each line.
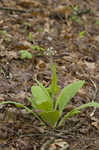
70, 31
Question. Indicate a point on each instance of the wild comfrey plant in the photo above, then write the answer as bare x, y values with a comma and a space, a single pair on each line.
50, 109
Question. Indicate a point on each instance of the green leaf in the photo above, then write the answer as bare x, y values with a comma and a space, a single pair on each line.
44, 89
97, 22
82, 33
15, 103
45, 106
30, 37
77, 110
69, 114
32, 101
38, 48
25, 54
50, 117
21, 106
91, 104
75, 18
67, 93
40, 93
54, 87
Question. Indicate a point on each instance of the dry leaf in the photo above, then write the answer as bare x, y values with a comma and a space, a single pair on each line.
29, 3
59, 144
62, 10
95, 122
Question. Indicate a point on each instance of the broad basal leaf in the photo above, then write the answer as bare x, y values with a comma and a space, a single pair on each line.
67, 93
40, 94
50, 117
45, 106
43, 89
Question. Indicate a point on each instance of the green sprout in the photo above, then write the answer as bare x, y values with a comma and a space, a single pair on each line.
30, 37
25, 54
82, 33
27, 24
39, 29
50, 109
97, 22
3, 32
75, 18
37, 48
75, 8
5, 36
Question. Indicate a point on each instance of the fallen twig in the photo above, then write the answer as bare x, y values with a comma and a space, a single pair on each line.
13, 9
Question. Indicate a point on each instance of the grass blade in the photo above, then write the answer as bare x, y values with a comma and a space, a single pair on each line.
21, 106
77, 110
91, 104
69, 114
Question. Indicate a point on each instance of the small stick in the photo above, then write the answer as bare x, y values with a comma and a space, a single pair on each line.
94, 96
12, 9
